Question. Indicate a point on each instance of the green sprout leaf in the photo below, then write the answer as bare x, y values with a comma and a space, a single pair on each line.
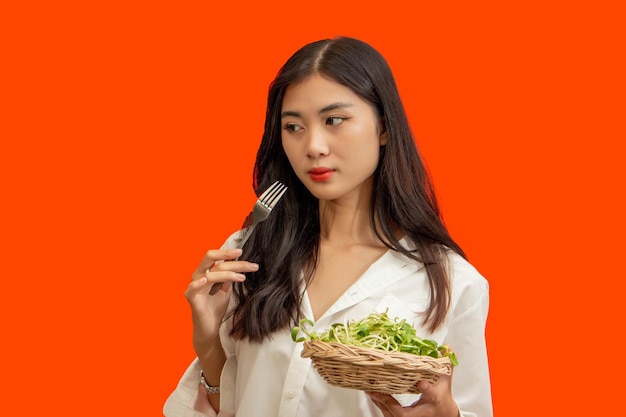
376, 331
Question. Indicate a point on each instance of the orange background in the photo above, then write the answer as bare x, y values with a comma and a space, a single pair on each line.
129, 130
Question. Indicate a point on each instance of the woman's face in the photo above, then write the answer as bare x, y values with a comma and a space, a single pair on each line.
332, 138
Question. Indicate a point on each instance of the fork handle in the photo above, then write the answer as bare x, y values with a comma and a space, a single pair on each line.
216, 287
246, 236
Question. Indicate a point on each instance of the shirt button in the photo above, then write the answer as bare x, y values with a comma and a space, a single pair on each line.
290, 394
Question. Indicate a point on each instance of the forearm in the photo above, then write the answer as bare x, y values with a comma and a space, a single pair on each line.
212, 362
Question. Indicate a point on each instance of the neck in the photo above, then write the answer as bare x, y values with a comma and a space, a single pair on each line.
346, 221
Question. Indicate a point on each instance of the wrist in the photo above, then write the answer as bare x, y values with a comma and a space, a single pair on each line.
206, 350
211, 362
210, 389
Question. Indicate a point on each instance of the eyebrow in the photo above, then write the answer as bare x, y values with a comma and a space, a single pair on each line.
330, 107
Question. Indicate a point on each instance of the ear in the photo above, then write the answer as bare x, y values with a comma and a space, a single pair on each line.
383, 138
383, 133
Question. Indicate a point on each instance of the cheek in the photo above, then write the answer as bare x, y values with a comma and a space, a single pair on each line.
369, 155
365, 143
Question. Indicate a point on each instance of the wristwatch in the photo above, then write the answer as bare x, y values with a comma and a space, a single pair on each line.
209, 389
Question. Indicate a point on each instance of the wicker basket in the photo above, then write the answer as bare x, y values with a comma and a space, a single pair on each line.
371, 369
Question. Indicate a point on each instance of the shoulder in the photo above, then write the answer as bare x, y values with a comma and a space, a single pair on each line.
469, 286
464, 277
462, 272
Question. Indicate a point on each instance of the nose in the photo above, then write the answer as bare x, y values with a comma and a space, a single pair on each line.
317, 145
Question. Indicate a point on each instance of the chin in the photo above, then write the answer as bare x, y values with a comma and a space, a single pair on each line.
325, 194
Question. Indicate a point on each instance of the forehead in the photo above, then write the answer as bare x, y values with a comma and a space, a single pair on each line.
316, 91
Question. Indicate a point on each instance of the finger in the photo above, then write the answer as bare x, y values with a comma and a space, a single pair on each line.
213, 256
223, 254
202, 286
235, 266
197, 287
386, 403
224, 276
438, 393
429, 394
437, 397
229, 254
382, 408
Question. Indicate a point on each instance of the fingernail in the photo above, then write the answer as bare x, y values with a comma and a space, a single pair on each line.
237, 251
254, 267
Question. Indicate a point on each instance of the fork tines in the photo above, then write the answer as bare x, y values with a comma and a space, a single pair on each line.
272, 194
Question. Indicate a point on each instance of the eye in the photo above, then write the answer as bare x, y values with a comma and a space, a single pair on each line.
335, 121
292, 127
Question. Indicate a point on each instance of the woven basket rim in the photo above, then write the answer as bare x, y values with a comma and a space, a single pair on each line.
371, 369
410, 358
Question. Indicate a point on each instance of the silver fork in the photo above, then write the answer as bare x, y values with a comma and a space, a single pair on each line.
261, 210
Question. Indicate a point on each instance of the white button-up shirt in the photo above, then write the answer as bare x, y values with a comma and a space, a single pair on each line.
271, 379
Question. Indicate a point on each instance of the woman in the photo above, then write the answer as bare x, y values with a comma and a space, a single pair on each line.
358, 231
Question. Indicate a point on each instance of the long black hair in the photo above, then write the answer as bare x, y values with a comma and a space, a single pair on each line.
287, 243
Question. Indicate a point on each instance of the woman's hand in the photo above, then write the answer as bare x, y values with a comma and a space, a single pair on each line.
207, 311
436, 401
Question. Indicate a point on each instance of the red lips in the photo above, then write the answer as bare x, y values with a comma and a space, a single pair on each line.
321, 174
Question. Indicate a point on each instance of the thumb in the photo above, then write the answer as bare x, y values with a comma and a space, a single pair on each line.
427, 390
424, 387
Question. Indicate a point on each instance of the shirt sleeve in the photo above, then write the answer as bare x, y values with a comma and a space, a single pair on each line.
187, 400
471, 387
